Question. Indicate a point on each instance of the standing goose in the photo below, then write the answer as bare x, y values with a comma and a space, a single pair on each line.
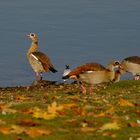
93, 73
39, 61
132, 65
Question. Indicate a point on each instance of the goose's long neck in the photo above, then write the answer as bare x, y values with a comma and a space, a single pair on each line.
33, 48
110, 67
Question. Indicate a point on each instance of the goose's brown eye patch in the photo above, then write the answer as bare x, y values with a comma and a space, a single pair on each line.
32, 34
117, 63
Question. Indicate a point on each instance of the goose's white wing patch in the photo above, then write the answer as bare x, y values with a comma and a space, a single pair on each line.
34, 57
89, 71
66, 72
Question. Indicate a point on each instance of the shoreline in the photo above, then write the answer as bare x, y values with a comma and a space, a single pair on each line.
54, 86
44, 85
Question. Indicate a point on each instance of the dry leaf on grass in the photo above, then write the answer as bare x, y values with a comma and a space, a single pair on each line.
69, 105
88, 129
123, 102
39, 113
100, 115
21, 98
28, 110
111, 134
55, 97
34, 132
53, 110
5, 129
133, 124
80, 111
111, 110
12, 129
72, 122
2, 122
5, 108
109, 126
17, 129
54, 107
27, 122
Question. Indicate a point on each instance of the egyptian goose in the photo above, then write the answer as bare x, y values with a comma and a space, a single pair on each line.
132, 65
39, 61
93, 73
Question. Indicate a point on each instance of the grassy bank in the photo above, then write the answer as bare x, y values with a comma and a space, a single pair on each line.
62, 112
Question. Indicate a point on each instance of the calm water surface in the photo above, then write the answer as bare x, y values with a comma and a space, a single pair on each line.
70, 31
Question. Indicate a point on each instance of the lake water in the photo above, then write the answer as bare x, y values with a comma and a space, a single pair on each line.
70, 31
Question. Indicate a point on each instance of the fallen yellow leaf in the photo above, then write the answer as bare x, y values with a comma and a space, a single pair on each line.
109, 126
5, 130
17, 129
21, 98
53, 108
2, 122
88, 129
44, 115
69, 105
39, 113
100, 115
27, 122
34, 132
80, 111
12, 129
109, 134
5, 108
123, 102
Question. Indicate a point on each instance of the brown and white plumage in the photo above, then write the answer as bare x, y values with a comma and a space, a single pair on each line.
39, 61
117, 76
93, 73
82, 69
132, 65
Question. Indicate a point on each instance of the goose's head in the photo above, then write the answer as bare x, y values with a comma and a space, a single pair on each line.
33, 37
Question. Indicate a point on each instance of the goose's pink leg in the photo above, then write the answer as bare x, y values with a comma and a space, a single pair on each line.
37, 76
83, 87
41, 76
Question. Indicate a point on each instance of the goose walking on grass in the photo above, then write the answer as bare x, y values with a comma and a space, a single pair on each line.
93, 73
39, 61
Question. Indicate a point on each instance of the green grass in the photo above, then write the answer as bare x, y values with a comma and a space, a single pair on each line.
85, 117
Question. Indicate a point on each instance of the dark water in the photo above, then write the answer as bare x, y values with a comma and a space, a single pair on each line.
70, 31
